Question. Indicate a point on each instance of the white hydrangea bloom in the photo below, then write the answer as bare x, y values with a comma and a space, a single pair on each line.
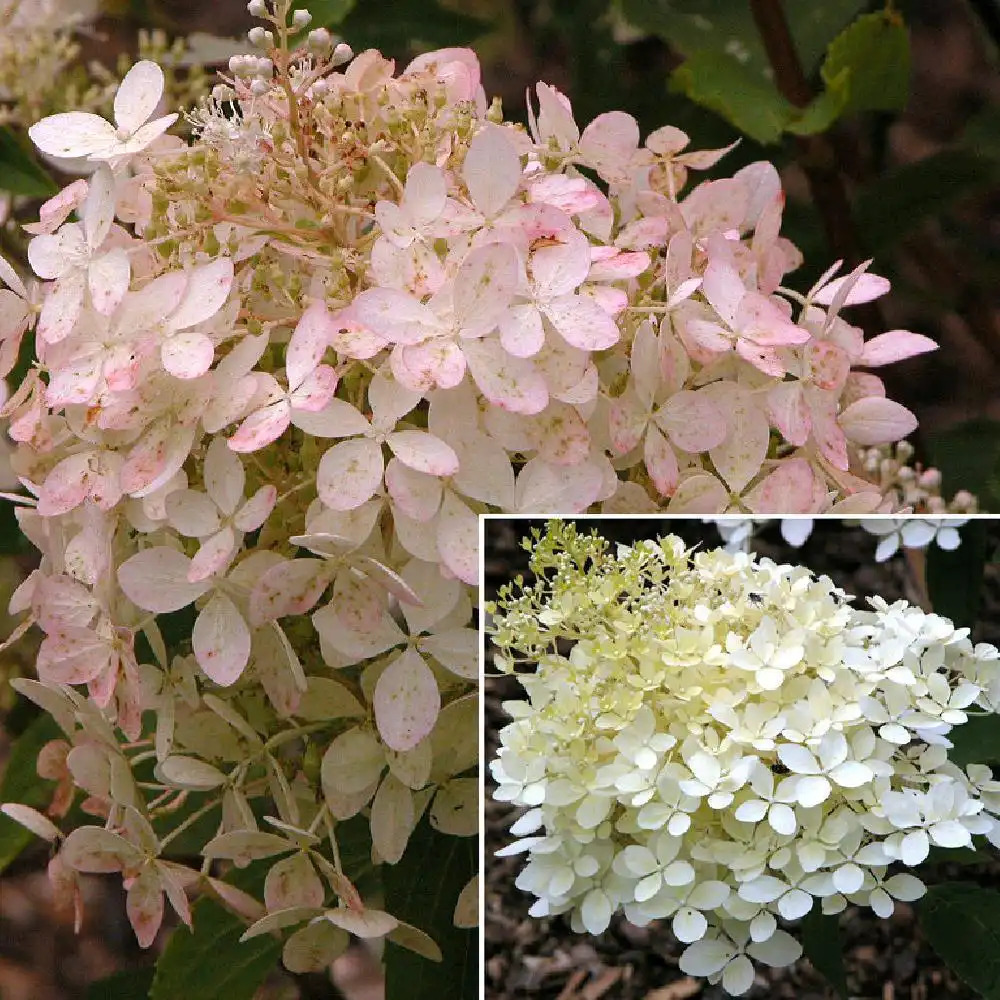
726, 742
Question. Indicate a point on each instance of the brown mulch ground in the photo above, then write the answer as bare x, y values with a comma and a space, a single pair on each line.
528, 959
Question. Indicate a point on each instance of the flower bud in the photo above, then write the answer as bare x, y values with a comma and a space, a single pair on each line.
259, 87
319, 40
260, 37
343, 53
257, 8
300, 19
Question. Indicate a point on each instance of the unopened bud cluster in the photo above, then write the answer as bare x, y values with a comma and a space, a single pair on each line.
729, 743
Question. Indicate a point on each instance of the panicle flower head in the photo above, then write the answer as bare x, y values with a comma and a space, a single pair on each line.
725, 742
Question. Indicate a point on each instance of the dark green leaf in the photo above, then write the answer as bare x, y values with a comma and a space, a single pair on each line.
821, 942
724, 85
22, 784
875, 52
962, 924
958, 856
130, 984
969, 459
728, 26
422, 889
211, 962
20, 172
419, 25
977, 741
328, 13
901, 199
955, 579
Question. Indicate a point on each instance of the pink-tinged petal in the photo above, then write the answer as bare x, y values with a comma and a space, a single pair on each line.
485, 473
350, 473
138, 95
406, 701
289, 588
160, 453
416, 494
156, 580
350, 337
521, 330
52, 256
786, 406
627, 420
458, 539
292, 882
436, 363
67, 485
99, 207
611, 300
187, 355
764, 359
790, 489
543, 488
308, 343
73, 134
214, 555
759, 320
701, 335
224, 476
144, 906
661, 462
561, 268
739, 458
645, 233
826, 365
582, 322
192, 513
51, 215
94, 849
423, 452
864, 288
492, 170
826, 431
390, 580
262, 427
150, 305
724, 289
394, 315
483, 287
692, 421
143, 137
895, 345
257, 509
513, 384
877, 421
425, 194
571, 195
62, 306
610, 143
221, 640
561, 435
108, 279
860, 385
395, 224
620, 267
699, 494
63, 601
207, 290
315, 391
72, 655
357, 601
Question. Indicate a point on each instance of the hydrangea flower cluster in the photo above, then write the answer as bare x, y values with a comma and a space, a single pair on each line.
283, 367
726, 743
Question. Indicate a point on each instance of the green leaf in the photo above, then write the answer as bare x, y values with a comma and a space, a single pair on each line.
129, 984
20, 172
958, 856
955, 579
328, 13
728, 26
724, 85
969, 459
22, 784
875, 51
210, 962
962, 924
824, 110
419, 25
821, 942
422, 889
977, 741
895, 204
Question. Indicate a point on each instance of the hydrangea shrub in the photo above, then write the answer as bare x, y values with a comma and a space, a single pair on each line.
282, 368
724, 742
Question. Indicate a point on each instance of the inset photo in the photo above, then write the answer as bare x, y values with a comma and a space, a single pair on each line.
741, 757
